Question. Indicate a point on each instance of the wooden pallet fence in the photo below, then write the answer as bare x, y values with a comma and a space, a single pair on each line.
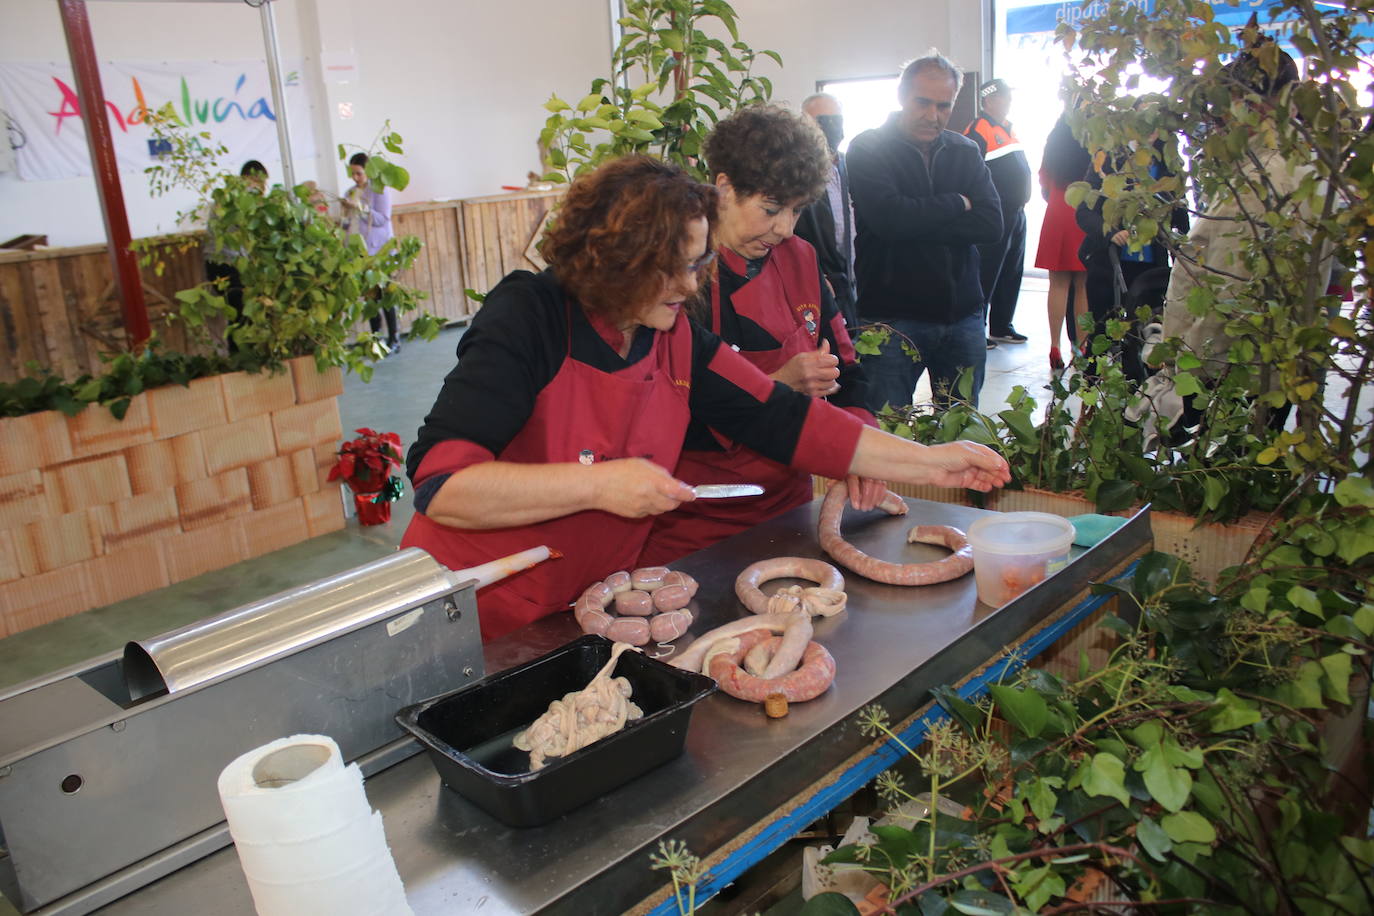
499, 233
59, 308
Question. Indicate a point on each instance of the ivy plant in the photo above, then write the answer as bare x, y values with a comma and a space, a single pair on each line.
1187, 774
670, 80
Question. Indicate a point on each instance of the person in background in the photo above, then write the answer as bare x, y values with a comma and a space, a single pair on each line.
367, 212
828, 224
1001, 263
219, 262
1065, 161
923, 199
1115, 271
574, 388
770, 303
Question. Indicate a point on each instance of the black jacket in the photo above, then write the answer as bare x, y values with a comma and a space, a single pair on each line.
817, 226
915, 255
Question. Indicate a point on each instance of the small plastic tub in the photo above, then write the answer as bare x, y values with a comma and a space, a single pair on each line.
1013, 551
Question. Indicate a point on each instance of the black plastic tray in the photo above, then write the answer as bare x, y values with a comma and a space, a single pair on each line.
468, 732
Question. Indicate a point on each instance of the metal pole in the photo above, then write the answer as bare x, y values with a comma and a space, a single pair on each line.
76, 24
269, 38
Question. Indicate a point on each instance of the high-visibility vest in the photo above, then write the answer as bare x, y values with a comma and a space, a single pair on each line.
999, 140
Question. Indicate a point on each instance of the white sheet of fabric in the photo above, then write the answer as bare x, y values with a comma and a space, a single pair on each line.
307, 839
1159, 408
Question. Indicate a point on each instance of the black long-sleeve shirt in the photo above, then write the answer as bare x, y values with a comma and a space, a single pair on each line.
518, 341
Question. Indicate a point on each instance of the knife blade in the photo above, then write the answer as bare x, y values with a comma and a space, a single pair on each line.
727, 490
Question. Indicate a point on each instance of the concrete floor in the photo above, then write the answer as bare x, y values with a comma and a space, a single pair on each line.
401, 392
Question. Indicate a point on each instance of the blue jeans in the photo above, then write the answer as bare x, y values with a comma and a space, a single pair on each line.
943, 349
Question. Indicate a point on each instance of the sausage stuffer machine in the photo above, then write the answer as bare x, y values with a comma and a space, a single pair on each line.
108, 769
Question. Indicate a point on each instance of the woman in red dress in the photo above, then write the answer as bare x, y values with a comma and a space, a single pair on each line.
1065, 161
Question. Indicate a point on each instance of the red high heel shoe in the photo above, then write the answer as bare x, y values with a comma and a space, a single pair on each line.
1056, 361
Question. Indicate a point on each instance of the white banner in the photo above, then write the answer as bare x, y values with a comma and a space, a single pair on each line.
232, 100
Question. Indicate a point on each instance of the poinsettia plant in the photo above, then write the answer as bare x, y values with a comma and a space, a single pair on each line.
369, 462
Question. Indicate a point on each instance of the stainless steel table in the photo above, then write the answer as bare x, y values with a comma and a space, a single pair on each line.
741, 774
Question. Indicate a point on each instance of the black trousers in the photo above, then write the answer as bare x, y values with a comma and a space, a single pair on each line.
1000, 266
375, 322
233, 294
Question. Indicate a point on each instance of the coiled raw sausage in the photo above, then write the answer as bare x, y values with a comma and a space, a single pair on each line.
846, 554
693, 656
824, 600
810, 680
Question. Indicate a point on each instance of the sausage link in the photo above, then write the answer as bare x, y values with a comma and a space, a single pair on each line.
618, 582
669, 625
675, 577
648, 578
634, 603
633, 630
599, 592
756, 662
692, 657
594, 621
809, 681
671, 597
788, 654
846, 554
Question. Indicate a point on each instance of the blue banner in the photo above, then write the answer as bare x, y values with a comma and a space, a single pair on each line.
1046, 17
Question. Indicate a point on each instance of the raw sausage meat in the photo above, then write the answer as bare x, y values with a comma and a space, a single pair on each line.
809, 681
825, 600
694, 655
953, 566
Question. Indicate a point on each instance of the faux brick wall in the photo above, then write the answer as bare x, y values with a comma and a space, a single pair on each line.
93, 510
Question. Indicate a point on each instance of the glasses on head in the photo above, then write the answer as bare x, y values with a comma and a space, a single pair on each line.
694, 267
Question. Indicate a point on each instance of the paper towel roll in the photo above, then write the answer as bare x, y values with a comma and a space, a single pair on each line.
306, 837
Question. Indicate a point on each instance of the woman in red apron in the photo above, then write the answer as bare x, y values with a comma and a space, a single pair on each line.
574, 389
771, 304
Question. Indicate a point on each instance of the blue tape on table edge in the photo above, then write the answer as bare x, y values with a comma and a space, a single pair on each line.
780, 831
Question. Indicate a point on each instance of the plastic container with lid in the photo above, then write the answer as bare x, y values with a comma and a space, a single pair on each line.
1014, 550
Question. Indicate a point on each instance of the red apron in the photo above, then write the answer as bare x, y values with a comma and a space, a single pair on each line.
783, 299
583, 414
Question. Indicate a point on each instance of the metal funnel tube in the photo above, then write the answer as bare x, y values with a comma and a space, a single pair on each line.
283, 623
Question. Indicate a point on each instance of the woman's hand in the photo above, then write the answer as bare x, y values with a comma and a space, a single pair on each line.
635, 488
864, 492
883, 456
1122, 238
812, 372
966, 464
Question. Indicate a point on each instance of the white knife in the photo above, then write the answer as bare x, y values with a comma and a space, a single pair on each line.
727, 490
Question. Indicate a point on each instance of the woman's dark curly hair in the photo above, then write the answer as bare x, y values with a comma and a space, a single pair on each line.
620, 231
766, 149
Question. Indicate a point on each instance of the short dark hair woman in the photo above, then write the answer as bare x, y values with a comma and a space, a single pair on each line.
770, 302
574, 387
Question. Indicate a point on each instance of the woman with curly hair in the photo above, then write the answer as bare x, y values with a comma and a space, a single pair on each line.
769, 301
574, 388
